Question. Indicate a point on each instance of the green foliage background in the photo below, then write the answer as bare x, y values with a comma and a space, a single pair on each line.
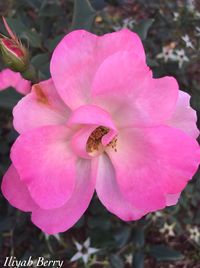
41, 24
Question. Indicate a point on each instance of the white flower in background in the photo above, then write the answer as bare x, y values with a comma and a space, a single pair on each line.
126, 23
194, 234
117, 27
190, 4
176, 16
197, 14
155, 215
197, 31
187, 41
129, 258
166, 54
84, 251
181, 57
168, 229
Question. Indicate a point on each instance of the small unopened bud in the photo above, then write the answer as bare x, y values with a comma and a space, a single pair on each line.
14, 54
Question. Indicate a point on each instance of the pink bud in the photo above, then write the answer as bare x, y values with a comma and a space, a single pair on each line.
14, 53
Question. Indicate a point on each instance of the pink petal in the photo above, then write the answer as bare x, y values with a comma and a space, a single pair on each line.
79, 141
123, 40
91, 115
109, 193
184, 117
78, 56
42, 107
8, 78
45, 162
16, 192
123, 85
152, 162
63, 218
172, 199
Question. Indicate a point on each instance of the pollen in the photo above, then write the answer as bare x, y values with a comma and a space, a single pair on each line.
113, 144
94, 141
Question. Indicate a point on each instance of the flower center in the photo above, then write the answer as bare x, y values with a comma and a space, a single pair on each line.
94, 143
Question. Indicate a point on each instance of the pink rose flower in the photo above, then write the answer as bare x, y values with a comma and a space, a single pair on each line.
8, 78
102, 122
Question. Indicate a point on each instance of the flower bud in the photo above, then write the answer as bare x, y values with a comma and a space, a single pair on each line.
14, 54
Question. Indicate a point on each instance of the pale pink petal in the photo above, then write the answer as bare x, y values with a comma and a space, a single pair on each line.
45, 162
152, 162
16, 192
123, 85
123, 40
172, 199
79, 141
78, 56
73, 66
91, 115
42, 107
184, 117
109, 193
63, 218
8, 78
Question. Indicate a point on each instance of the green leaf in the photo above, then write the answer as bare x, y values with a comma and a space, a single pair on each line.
143, 27
164, 253
99, 222
50, 10
83, 16
9, 98
138, 237
40, 59
138, 260
122, 236
52, 43
41, 63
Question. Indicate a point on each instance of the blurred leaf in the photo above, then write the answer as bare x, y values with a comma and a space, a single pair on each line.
83, 16
195, 101
41, 63
142, 27
9, 98
50, 10
116, 261
164, 253
4, 7
40, 59
6, 224
152, 62
4, 148
32, 37
122, 236
138, 237
138, 259
99, 222
52, 43
98, 4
